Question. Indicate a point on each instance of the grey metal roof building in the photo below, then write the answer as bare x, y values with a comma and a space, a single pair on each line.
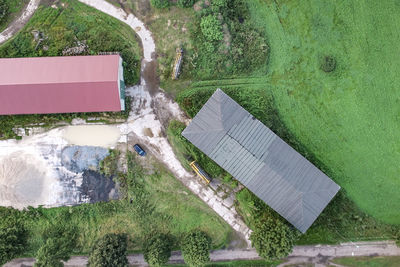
261, 161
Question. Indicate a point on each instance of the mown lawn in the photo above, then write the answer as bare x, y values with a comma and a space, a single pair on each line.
349, 118
153, 201
15, 7
368, 261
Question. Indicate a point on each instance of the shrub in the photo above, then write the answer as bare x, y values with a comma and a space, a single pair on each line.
157, 249
3, 10
13, 234
196, 248
110, 250
272, 238
211, 28
160, 3
249, 48
185, 3
328, 64
59, 242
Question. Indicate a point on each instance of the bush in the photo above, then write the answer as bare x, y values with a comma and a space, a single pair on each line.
160, 3
110, 250
211, 28
157, 249
13, 234
328, 64
249, 48
3, 10
196, 248
272, 238
59, 242
185, 3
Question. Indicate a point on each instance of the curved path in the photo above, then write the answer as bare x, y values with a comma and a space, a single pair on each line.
314, 255
17, 24
149, 108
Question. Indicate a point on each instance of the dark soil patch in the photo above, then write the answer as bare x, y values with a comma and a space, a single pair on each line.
97, 187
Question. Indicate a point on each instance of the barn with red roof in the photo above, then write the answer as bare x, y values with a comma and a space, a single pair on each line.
61, 84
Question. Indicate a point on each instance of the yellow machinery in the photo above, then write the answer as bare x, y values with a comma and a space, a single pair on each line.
178, 63
200, 172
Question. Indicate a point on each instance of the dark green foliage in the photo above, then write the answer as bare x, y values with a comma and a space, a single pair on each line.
160, 3
13, 234
328, 64
157, 249
3, 10
211, 28
110, 250
225, 42
196, 248
59, 242
185, 3
249, 49
272, 238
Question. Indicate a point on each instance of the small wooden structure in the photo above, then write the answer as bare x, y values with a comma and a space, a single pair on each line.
200, 172
178, 63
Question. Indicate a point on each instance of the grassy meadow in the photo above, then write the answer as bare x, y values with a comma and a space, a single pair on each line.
368, 261
349, 118
345, 119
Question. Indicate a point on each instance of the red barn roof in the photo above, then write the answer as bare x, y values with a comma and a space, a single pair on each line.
61, 84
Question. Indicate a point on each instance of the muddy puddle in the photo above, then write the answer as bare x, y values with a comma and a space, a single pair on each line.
92, 135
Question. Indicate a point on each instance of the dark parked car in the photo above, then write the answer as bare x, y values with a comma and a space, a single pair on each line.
139, 150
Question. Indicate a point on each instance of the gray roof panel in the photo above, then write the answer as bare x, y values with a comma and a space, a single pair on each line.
260, 160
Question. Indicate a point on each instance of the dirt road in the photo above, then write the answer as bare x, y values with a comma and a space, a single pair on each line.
319, 255
151, 110
17, 24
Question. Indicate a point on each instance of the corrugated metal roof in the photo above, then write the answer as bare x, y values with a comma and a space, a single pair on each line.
261, 161
59, 84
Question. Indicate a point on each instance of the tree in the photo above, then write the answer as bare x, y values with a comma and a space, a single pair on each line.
211, 28
185, 3
109, 250
196, 248
59, 242
13, 234
272, 238
3, 10
160, 3
157, 249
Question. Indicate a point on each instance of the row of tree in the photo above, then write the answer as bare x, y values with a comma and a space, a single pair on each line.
111, 249
59, 241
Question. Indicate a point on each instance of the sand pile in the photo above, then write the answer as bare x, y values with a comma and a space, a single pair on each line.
24, 181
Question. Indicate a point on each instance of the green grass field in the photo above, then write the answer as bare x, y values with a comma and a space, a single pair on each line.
368, 261
349, 118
